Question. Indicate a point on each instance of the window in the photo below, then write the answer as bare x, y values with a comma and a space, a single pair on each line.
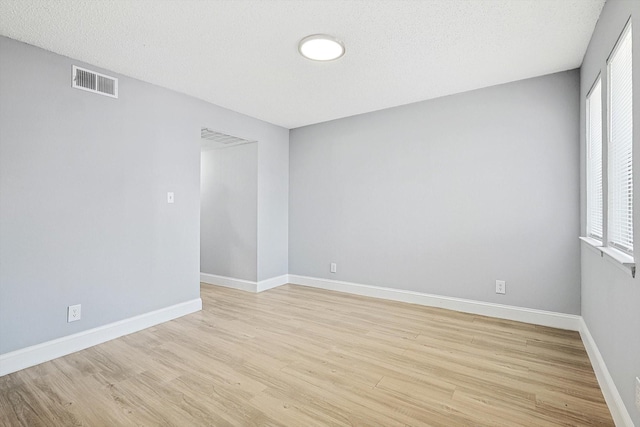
594, 161
620, 176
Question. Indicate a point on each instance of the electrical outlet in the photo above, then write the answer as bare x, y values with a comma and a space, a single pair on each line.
501, 287
334, 267
638, 393
74, 312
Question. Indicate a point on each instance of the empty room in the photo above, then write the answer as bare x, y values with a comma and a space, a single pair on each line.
319, 213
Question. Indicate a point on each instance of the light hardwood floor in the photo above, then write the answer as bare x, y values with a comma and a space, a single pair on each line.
296, 356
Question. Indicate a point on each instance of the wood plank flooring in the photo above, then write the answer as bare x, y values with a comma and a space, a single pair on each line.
297, 356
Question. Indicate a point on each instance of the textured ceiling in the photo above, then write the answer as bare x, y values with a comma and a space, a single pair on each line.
243, 55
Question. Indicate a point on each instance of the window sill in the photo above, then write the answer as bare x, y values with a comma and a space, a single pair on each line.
591, 241
619, 257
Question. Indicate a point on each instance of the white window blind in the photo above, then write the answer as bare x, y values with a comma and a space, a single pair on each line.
620, 231
594, 161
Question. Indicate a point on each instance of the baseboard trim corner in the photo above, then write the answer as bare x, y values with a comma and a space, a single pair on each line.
274, 282
520, 314
244, 285
610, 392
40, 353
229, 282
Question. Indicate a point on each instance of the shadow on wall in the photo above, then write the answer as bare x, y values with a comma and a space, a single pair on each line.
228, 220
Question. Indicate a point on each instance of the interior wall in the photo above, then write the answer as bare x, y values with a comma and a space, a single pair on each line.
610, 296
229, 212
84, 178
446, 196
273, 205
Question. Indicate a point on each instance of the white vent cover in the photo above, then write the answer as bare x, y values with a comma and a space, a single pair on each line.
212, 140
94, 82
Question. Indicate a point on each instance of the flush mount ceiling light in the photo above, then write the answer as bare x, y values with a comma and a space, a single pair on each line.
321, 47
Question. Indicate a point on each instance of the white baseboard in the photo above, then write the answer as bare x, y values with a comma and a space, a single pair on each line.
229, 282
520, 314
244, 285
614, 401
36, 354
274, 282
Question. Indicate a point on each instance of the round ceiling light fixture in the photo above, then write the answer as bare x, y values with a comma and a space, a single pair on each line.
321, 47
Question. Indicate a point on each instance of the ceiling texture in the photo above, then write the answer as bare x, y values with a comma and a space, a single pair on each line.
243, 54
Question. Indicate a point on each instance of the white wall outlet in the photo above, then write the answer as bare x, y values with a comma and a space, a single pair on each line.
501, 287
170, 197
334, 267
638, 393
74, 312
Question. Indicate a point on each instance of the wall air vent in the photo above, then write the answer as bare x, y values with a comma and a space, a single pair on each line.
212, 140
94, 82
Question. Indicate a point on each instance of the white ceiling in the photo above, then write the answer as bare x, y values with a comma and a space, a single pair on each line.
243, 55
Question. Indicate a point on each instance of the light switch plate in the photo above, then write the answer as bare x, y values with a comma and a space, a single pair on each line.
170, 197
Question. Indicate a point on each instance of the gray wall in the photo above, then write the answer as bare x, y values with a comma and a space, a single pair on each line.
83, 183
446, 196
273, 204
229, 212
610, 296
